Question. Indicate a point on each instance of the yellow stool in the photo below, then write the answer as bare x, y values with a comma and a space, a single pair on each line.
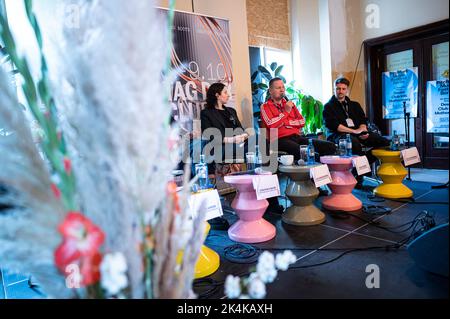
208, 261
392, 173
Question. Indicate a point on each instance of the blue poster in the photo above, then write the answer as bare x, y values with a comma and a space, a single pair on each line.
398, 87
437, 106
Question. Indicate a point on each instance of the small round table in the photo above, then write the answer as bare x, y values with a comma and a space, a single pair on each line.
341, 186
302, 192
251, 227
392, 172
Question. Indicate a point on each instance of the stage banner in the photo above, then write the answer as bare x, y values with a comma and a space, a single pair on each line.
201, 55
437, 106
398, 87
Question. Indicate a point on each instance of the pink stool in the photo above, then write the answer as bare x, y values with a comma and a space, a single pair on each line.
341, 186
251, 227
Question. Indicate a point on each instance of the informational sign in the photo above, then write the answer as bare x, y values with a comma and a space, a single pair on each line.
201, 55
437, 106
321, 175
398, 87
208, 200
361, 164
410, 156
266, 186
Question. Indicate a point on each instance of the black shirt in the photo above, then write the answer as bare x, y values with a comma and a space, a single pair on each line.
336, 113
221, 119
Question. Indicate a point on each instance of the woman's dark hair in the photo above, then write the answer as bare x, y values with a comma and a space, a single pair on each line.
211, 98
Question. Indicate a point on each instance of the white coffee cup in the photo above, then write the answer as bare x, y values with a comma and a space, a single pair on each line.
286, 159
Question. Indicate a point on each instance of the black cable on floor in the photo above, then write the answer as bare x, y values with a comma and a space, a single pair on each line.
241, 253
205, 282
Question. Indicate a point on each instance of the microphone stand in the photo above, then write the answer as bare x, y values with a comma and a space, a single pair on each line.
406, 117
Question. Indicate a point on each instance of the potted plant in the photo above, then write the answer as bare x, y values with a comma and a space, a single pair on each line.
309, 107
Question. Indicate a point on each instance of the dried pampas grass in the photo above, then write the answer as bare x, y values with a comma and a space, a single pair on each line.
28, 231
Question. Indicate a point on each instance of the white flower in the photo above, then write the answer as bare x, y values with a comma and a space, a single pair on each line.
283, 260
266, 267
266, 274
113, 273
256, 288
267, 259
232, 286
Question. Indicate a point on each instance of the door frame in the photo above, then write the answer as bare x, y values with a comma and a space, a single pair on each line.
374, 50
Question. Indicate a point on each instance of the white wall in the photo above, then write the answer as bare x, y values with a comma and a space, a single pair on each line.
235, 11
399, 15
311, 58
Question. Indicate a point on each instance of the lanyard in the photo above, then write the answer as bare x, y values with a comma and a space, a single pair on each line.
345, 108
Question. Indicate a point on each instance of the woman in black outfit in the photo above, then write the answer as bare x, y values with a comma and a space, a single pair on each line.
233, 139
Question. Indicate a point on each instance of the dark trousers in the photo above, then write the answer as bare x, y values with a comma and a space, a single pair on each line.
291, 145
374, 140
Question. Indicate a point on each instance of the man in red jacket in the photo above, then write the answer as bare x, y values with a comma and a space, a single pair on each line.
281, 114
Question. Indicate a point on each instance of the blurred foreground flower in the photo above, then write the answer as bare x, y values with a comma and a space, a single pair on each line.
254, 286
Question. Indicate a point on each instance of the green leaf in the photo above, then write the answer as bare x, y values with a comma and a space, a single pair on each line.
273, 66
263, 86
263, 70
278, 71
254, 75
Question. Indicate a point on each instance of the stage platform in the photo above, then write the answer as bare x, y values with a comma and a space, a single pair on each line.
345, 277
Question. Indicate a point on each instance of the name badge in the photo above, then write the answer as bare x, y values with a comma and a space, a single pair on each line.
266, 186
361, 164
206, 200
321, 175
350, 122
410, 156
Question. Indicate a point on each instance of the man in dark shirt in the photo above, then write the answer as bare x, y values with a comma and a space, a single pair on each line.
343, 116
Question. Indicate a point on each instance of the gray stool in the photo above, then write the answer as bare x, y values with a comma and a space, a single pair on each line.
302, 192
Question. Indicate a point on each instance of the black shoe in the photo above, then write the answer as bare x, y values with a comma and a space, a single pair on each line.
359, 182
276, 209
219, 223
323, 192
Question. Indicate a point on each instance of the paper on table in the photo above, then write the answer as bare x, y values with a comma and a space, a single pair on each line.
410, 156
266, 186
208, 200
321, 175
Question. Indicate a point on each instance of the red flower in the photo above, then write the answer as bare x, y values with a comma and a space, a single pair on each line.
67, 165
56, 191
81, 242
90, 269
87, 237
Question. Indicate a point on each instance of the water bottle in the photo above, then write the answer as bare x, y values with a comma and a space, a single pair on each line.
201, 169
395, 142
348, 145
310, 153
258, 157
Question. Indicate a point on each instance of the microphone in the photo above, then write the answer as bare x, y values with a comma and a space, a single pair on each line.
285, 97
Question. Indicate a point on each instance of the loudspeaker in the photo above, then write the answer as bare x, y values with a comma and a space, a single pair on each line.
430, 250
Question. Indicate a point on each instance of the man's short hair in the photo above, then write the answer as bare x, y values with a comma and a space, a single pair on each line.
342, 80
273, 80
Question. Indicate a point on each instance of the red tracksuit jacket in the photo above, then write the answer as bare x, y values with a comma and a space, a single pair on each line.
275, 116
